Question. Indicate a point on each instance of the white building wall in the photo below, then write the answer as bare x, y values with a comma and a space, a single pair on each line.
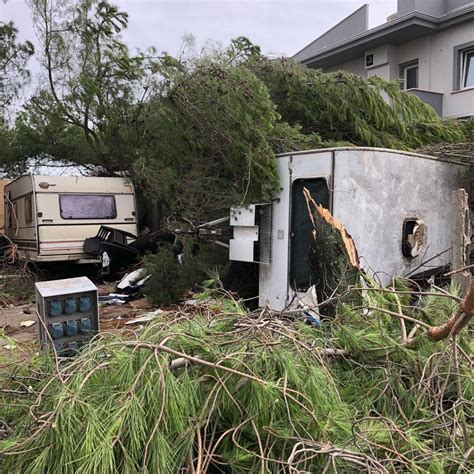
455, 103
356, 66
435, 55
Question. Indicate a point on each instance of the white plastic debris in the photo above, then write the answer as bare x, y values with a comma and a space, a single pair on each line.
309, 302
28, 323
112, 301
132, 279
105, 260
146, 317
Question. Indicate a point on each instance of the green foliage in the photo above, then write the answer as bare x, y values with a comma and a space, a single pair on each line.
172, 277
208, 136
87, 110
340, 106
13, 59
127, 405
8, 146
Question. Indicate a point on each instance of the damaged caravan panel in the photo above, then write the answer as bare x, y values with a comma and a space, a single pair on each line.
49, 217
396, 206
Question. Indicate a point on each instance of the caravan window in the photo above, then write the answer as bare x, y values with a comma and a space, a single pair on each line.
87, 206
28, 210
301, 229
12, 215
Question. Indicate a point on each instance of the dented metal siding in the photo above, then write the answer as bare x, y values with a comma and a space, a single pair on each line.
375, 190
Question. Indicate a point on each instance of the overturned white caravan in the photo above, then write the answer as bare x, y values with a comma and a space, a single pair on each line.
49, 217
383, 197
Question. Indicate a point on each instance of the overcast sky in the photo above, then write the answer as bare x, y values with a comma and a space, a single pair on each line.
280, 27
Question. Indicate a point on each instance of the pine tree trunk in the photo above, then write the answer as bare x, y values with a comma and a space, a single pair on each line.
333, 258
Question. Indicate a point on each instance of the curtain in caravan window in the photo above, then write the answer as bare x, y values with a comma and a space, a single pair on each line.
87, 206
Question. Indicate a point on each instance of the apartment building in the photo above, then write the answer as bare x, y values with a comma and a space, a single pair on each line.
427, 44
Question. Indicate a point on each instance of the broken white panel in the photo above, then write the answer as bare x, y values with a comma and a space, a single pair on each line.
243, 222
242, 246
309, 302
243, 216
251, 233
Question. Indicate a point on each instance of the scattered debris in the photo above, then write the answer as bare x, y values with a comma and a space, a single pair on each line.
133, 281
146, 317
112, 245
27, 324
352, 394
112, 301
309, 302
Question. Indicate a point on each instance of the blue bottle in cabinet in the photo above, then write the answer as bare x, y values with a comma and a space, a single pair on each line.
85, 325
85, 304
55, 308
56, 330
71, 328
70, 306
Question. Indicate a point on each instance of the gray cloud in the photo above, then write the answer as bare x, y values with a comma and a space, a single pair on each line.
280, 27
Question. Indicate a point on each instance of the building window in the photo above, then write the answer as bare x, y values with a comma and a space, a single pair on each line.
467, 68
463, 66
409, 74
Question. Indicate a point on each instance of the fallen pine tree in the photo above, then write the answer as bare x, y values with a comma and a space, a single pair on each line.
216, 389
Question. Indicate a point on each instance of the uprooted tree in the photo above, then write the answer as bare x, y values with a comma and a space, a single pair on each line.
372, 389
196, 133
192, 127
220, 390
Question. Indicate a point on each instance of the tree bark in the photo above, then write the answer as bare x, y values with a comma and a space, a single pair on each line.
333, 257
457, 321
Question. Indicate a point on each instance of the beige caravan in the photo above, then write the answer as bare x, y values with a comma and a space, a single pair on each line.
49, 217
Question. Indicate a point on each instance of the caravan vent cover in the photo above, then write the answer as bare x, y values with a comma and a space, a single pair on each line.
413, 237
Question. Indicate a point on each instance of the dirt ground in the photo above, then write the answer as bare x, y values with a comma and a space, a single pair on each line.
19, 339
10, 321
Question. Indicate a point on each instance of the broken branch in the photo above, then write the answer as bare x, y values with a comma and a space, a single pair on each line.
458, 321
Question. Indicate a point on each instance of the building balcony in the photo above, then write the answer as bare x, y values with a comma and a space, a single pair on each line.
435, 99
